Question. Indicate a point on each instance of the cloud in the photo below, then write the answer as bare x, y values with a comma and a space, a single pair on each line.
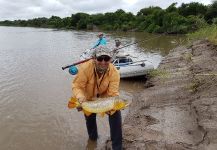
28, 9
93, 6
52, 6
163, 4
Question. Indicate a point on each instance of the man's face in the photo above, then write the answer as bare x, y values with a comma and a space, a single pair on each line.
100, 36
102, 63
117, 43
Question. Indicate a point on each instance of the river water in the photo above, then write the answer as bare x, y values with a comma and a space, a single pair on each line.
34, 90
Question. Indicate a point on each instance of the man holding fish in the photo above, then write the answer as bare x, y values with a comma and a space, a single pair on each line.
99, 78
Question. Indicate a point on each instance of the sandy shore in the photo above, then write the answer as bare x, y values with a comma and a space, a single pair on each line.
178, 108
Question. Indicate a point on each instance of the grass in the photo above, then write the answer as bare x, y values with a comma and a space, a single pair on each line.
208, 32
194, 85
158, 73
187, 57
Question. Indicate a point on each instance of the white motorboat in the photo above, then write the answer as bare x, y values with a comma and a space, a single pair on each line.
129, 66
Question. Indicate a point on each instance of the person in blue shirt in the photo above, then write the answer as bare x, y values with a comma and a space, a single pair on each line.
101, 40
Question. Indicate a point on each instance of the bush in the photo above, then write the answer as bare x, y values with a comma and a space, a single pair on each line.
195, 23
152, 28
125, 27
214, 20
107, 27
208, 32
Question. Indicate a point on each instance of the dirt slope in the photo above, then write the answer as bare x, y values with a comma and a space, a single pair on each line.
179, 110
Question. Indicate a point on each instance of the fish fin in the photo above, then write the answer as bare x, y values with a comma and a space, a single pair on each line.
86, 113
119, 105
102, 114
111, 112
73, 103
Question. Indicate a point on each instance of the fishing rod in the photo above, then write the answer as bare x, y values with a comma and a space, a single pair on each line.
126, 45
80, 62
77, 63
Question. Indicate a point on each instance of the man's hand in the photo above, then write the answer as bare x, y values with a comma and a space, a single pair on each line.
81, 100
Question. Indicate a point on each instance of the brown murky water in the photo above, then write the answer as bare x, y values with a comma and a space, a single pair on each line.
34, 91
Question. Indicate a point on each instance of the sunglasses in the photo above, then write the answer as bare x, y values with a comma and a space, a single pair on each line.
103, 57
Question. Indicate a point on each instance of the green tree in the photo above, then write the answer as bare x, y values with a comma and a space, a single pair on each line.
196, 22
147, 11
211, 12
80, 20
186, 18
172, 8
174, 23
97, 19
55, 22
193, 8
67, 22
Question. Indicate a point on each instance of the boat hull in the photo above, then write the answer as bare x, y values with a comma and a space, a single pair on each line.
131, 66
134, 70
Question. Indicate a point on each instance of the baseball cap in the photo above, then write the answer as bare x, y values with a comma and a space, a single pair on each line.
117, 40
102, 50
100, 33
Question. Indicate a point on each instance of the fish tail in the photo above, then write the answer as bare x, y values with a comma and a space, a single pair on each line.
119, 105
73, 103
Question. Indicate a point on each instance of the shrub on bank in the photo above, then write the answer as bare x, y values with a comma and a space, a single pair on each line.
209, 32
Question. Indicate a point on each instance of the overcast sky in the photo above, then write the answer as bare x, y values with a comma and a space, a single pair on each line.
28, 9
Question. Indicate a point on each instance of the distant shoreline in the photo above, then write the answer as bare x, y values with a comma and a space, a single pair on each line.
184, 19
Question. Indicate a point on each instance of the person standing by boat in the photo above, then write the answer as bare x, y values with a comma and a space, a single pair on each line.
98, 77
117, 47
89, 52
118, 44
100, 41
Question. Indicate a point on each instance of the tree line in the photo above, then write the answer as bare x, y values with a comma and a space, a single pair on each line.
183, 19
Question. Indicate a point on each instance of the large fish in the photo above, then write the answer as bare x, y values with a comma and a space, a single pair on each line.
100, 105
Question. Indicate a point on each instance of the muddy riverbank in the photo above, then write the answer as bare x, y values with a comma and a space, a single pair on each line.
178, 108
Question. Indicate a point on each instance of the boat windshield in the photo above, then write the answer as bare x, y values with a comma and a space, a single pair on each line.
122, 60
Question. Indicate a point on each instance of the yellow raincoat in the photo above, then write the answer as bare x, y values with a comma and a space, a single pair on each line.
87, 83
